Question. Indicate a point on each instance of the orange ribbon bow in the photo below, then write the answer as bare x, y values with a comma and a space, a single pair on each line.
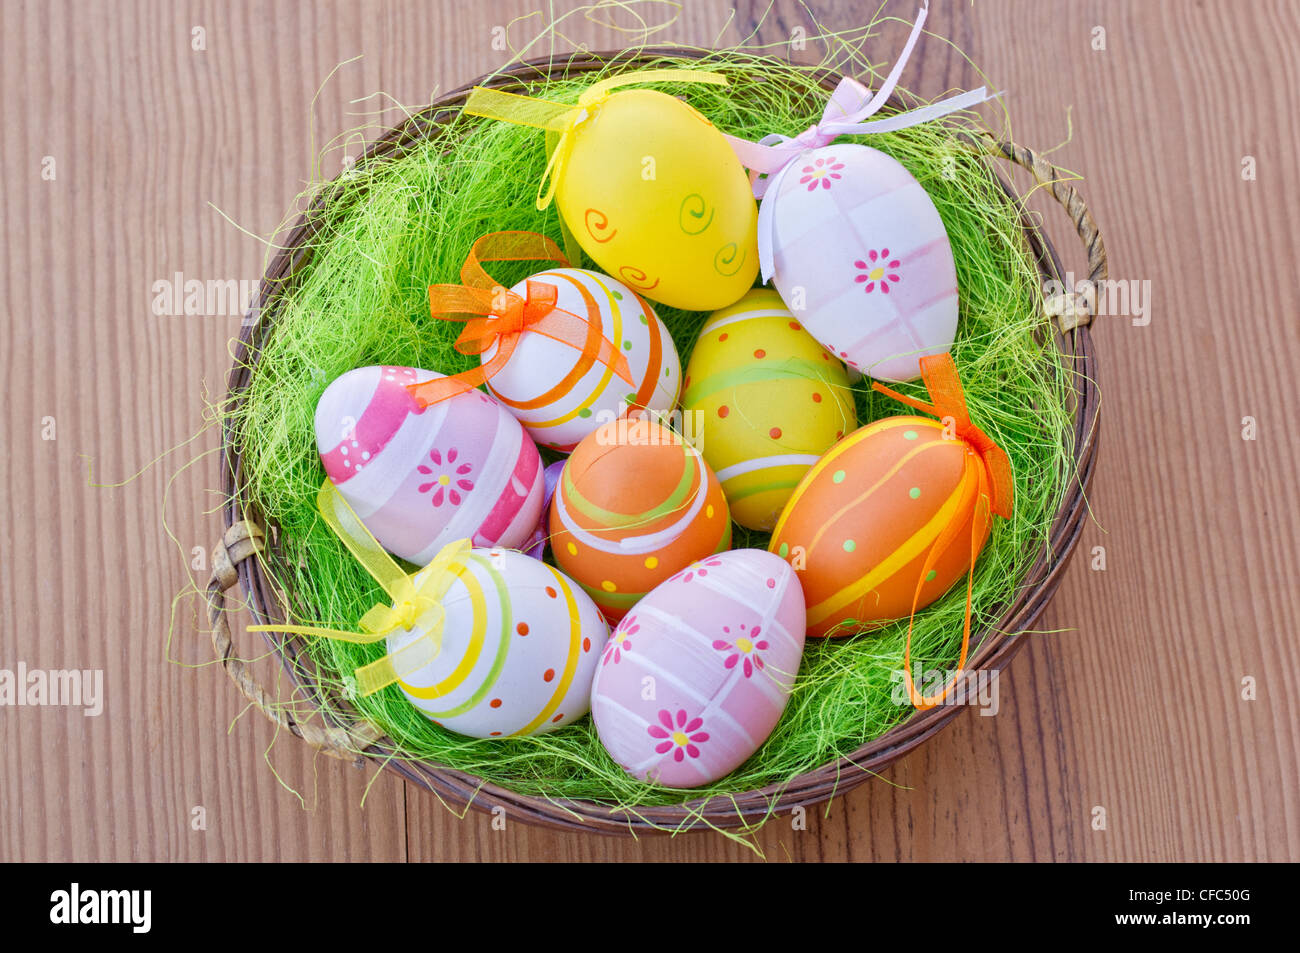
497, 316
949, 402
995, 492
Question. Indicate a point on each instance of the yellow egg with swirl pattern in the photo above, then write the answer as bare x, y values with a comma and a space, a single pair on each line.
763, 401
655, 195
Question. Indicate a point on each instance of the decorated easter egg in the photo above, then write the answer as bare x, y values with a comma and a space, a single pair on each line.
655, 195
862, 522
418, 479
561, 394
536, 545
519, 644
862, 258
635, 504
720, 642
768, 402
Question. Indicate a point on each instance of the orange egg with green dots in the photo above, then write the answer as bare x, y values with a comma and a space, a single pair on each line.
765, 402
859, 527
635, 504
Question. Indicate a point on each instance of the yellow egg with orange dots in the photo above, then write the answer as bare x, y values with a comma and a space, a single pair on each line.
634, 505
766, 401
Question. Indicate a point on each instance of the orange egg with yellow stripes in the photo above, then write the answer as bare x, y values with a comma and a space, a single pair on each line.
634, 505
861, 526
517, 646
561, 394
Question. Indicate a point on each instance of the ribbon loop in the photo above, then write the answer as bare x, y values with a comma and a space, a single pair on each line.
539, 301
495, 316
979, 524
413, 601
507, 246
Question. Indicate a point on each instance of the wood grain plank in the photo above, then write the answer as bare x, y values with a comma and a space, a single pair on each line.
1131, 698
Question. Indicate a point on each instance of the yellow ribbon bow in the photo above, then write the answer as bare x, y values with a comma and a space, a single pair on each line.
416, 597
560, 119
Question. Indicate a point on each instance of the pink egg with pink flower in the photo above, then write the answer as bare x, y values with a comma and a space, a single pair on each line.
697, 674
421, 478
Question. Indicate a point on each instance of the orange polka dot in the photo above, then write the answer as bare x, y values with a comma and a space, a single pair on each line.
839, 435
558, 717
724, 410
775, 433
794, 326
522, 628
550, 592
722, 336
760, 354
817, 398
548, 675
586, 645
495, 734
495, 703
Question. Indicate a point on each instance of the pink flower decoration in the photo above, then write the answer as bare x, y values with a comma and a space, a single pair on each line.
452, 482
621, 640
878, 271
680, 736
700, 569
820, 173
743, 649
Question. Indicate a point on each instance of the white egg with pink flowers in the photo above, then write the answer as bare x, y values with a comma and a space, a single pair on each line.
861, 256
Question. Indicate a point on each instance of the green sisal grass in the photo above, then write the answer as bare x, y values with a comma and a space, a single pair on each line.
395, 226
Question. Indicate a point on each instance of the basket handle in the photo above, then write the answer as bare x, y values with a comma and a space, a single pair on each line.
242, 540
1070, 308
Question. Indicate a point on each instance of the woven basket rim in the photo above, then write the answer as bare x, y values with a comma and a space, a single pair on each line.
996, 644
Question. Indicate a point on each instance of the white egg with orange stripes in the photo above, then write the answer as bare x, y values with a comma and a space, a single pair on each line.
519, 646
559, 393
421, 478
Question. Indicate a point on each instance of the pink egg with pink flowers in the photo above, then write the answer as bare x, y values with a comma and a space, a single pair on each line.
421, 478
697, 674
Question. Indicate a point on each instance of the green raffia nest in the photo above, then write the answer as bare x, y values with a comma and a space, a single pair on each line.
397, 222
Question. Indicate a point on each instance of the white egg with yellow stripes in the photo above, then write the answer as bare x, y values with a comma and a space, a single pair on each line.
764, 401
519, 646
559, 393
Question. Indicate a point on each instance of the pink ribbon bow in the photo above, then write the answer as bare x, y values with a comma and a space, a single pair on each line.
850, 105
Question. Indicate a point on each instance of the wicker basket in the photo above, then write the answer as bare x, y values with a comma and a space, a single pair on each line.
246, 533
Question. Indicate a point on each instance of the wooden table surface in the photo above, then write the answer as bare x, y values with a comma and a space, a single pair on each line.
1167, 704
